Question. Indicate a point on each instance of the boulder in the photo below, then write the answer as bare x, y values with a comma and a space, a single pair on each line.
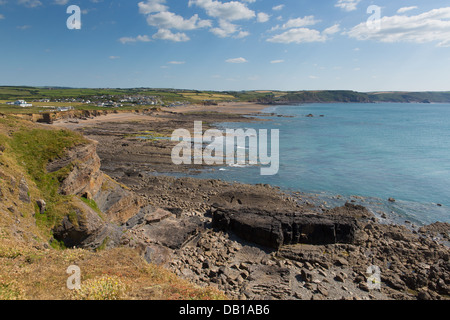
24, 191
156, 254
276, 229
42, 205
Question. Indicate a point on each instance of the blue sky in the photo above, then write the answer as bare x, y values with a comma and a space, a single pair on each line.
228, 45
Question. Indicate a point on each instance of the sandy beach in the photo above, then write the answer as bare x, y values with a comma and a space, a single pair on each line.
228, 109
242, 108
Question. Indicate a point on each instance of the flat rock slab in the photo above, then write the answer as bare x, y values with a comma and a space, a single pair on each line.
269, 282
157, 215
172, 232
284, 228
148, 215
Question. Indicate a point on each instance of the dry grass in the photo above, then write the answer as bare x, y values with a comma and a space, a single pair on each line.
30, 269
32, 274
207, 96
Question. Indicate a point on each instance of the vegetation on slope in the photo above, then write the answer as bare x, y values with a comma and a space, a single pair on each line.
29, 267
169, 96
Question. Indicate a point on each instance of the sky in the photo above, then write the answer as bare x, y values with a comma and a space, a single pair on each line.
361, 45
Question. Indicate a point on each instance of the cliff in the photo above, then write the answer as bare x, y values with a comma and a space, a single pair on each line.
54, 196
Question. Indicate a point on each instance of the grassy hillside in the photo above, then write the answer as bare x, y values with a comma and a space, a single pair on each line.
406, 97
170, 96
32, 264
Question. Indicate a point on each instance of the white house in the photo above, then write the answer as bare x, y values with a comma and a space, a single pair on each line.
22, 103
64, 109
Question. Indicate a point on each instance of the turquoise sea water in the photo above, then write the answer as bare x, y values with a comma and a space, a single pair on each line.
375, 151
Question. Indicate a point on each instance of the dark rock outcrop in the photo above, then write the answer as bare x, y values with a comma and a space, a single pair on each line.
84, 228
118, 203
276, 229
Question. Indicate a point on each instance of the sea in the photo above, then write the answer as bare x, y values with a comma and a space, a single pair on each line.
365, 153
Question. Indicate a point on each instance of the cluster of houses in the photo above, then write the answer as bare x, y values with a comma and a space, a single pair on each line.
24, 104
178, 104
20, 103
107, 101
99, 101
141, 100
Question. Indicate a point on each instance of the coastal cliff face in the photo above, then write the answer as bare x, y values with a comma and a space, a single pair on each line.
93, 222
72, 115
117, 202
85, 175
48, 179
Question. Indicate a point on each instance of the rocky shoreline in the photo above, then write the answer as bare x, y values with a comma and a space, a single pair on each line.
255, 241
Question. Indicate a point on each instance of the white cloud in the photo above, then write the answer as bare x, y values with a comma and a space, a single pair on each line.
278, 8
152, 6
237, 60
114, 57
30, 3
61, 2
225, 29
228, 29
347, 5
227, 13
165, 34
159, 16
231, 11
300, 22
169, 20
297, 23
176, 62
276, 61
406, 9
125, 40
242, 34
298, 35
262, 17
431, 26
2, 17
332, 30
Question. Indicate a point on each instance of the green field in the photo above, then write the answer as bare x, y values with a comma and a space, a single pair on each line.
170, 96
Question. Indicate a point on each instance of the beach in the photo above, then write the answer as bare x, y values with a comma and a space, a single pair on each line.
241, 108
241, 265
